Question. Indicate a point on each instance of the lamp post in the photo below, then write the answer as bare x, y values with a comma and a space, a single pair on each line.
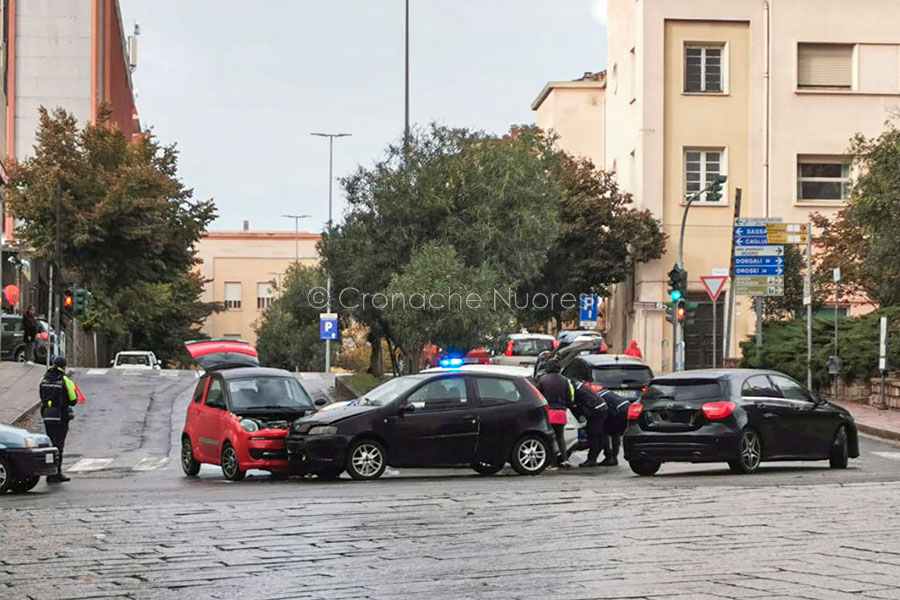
330, 137
296, 219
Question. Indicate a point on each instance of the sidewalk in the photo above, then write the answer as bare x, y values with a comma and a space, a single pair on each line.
18, 389
883, 424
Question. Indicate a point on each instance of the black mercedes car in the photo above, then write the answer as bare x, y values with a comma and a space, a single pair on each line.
738, 416
24, 457
473, 416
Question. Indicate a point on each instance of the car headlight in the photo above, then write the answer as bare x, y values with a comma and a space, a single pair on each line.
323, 430
249, 425
30, 442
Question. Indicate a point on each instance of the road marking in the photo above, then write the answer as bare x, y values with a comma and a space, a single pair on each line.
89, 464
149, 464
96, 371
891, 455
169, 373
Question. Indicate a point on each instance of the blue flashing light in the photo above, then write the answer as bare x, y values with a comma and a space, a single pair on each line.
675, 295
451, 362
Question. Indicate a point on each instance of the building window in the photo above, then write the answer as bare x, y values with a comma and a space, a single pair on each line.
828, 66
233, 295
822, 178
703, 69
264, 295
701, 167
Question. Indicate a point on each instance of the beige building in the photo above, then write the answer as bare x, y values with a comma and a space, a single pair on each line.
575, 111
244, 270
767, 93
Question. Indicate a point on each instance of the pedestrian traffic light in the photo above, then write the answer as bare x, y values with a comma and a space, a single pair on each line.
690, 310
715, 188
82, 296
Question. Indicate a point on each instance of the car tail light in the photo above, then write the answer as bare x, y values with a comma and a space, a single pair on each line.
555, 344
634, 411
43, 336
509, 346
718, 410
594, 387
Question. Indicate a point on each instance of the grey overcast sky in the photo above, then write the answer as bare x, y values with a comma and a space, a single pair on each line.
240, 85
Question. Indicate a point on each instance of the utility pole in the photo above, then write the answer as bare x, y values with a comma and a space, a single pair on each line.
406, 89
58, 265
296, 219
330, 137
807, 299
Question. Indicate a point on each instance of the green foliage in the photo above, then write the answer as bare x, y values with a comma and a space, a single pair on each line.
129, 227
784, 347
791, 305
862, 239
362, 383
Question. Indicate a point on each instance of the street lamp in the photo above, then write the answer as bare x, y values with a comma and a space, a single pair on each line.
330, 137
296, 219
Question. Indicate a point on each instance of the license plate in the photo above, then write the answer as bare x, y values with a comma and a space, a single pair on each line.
48, 458
628, 393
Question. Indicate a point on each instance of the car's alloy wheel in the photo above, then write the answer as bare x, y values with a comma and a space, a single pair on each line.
20, 486
530, 455
20, 356
644, 468
487, 469
366, 460
840, 454
749, 453
5, 476
190, 466
230, 467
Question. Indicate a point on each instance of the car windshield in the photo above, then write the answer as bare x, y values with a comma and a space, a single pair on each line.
614, 376
389, 390
685, 389
531, 346
133, 359
271, 393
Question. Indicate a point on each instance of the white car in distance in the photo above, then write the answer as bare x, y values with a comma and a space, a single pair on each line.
135, 359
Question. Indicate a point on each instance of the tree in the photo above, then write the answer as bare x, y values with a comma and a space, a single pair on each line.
862, 238
129, 226
790, 305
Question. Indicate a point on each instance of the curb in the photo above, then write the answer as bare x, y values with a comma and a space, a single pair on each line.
28, 410
339, 382
885, 434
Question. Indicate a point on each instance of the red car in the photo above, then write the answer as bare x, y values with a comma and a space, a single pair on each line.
240, 413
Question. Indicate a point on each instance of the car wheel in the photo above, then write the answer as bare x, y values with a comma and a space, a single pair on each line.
189, 465
749, 453
840, 452
330, 475
5, 476
645, 468
486, 469
20, 355
20, 486
366, 460
530, 455
230, 467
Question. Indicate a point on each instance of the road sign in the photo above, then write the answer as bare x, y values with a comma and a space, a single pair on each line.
787, 228
328, 326
648, 305
720, 272
760, 251
758, 261
740, 242
590, 309
787, 238
883, 345
745, 222
807, 292
766, 270
714, 285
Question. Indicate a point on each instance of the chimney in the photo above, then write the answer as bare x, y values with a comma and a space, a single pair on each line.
246, 225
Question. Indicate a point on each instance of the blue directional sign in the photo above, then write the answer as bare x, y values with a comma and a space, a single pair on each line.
753, 271
751, 241
750, 232
328, 326
758, 261
590, 308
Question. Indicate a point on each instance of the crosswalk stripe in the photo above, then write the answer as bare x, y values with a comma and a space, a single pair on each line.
89, 464
891, 455
149, 464
96, 371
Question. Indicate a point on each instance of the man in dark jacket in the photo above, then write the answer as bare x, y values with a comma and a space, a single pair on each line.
29, 327
616, 423
594, 409
58, 396
559, 394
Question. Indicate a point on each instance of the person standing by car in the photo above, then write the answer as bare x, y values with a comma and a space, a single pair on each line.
58, 396
594, 410
634, 350
29, 326
616, 423
559, 394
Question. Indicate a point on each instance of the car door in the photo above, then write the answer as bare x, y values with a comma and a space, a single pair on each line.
209, 423
769, 412
437, 425
501, 417
812, 426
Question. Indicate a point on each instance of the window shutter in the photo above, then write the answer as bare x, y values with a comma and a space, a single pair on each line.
232, 292
825, 65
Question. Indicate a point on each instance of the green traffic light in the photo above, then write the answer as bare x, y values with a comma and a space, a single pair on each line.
675, 295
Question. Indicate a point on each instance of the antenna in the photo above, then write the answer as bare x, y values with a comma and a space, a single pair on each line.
133, 48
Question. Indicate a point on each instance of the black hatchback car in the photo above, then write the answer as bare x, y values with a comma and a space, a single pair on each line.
475, 416
626, 376
738, 416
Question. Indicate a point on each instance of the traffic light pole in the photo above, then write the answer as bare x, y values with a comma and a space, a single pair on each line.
677, 325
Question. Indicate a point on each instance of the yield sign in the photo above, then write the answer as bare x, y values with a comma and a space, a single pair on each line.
714, 285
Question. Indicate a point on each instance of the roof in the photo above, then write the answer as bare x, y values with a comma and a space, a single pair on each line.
260, 235
484, 370
242, 372
588, 80
611, 359
713, 373
530, 336
135, 352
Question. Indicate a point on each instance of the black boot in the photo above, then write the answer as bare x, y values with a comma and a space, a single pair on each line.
62, 478
53, 479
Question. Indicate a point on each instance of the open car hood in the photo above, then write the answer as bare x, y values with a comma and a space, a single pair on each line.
215, 355
566, 354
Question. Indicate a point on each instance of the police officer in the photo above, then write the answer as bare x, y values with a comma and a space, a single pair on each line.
594, 409
616, 423
58, 396
558, 392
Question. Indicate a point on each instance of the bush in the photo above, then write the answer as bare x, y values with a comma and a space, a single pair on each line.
784, 347
362, 383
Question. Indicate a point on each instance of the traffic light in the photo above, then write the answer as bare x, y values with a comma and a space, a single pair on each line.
67, 301
677, 283
82, 296
679, 313
715, 188
690, 310
672, 310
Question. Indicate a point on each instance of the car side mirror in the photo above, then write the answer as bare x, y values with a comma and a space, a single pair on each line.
112, 363
819, 399
216, 404
407, 408
320, 402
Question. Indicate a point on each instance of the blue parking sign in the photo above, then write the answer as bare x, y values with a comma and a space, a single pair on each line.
328, 326
590, 309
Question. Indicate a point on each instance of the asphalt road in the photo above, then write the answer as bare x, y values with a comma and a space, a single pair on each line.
130, 525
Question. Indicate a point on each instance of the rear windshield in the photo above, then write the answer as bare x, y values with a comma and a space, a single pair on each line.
620, 376
685, 389
531, 347
134, 359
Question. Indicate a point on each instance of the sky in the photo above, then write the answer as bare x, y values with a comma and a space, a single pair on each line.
239, 86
